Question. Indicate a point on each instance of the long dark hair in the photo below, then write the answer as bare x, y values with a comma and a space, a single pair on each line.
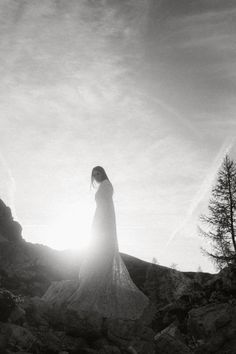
102, 171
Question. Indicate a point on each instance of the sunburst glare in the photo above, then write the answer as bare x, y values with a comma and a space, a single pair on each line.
71, 229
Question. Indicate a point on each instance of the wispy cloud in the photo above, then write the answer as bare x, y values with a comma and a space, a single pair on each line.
205, 187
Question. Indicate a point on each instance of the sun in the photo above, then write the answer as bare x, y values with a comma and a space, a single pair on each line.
71, 230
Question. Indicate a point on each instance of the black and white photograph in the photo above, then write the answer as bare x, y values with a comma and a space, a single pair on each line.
118, 176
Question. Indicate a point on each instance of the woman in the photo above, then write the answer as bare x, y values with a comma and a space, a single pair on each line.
105, 286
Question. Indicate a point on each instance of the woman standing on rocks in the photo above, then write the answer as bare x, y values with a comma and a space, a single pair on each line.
105, 286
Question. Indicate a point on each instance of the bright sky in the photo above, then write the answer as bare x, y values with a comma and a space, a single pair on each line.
144, 88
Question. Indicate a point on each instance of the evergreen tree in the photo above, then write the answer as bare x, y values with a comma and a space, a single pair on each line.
174, 266
199, 269
154, 260
221, 220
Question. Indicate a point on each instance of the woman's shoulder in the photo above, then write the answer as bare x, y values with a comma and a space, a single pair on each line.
106, 181
107, 184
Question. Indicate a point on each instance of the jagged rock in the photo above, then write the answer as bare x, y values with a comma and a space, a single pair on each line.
17, 336
175, 311
88, 351
9, 228
222, 285
17, 315
3, 342
138, 346
166, 344
99, 343
72, 344
89, 327
7, 304
109, 349
20, 352
128, 329
215, 325
36, 311
130, 334
51, 342
172, 330
204, 321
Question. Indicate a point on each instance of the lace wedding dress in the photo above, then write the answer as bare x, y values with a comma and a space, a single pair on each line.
105, 286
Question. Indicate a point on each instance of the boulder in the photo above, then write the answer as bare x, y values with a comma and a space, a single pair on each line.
37, 311
172, 330
7, 304
89, 327
109, 349
17, 336
207, 320
17, 315
223, 284
9, 228
213, 327
138, 346
167, 344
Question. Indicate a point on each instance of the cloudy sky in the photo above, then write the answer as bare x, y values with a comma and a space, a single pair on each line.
144, 88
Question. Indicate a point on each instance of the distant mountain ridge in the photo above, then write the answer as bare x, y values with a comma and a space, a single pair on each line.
30, 268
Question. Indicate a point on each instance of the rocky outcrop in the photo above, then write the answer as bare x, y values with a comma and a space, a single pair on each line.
10, 230
213, 327
168, 344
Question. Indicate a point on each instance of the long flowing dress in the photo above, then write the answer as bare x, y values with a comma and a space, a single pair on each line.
105, 286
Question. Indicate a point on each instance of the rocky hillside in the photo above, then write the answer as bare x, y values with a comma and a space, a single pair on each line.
189, 312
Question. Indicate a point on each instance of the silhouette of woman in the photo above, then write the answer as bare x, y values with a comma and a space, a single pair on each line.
105, 286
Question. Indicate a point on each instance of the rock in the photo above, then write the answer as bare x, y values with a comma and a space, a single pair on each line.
138, 346
36, 311
51, 342
99, 343
9, 228
204, 321
174, 312
128, 329
166, 344
69, 343
3, 342
7, 304
88, 327
109, 349
215, 325
172, 330
88, 351
17, 315
20, 352
131, 334
18, 336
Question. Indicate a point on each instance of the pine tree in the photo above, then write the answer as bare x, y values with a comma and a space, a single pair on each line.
154, 260
174, 266
199, 269
221, 220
